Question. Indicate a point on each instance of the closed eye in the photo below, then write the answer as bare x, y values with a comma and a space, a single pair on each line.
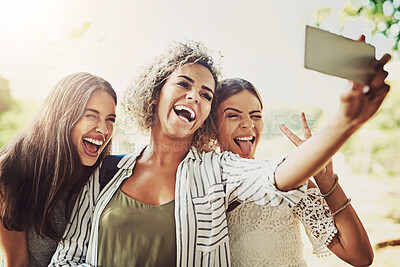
90, 116
256, 116
112, 119
232, 115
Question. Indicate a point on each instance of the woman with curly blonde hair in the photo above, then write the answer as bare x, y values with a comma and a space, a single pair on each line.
140, 97
166, 205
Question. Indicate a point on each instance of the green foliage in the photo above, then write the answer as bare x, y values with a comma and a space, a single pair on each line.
5, 96
384, 15
13, 120
321, 14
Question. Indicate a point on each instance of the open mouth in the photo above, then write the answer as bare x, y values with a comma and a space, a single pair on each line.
245, 144
92, 146
185, 113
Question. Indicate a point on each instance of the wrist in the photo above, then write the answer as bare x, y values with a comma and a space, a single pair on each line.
345, 125
332, 188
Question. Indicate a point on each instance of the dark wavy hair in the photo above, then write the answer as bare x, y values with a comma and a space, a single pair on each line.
41, 164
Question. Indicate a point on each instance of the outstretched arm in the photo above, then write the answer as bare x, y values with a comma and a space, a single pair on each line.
358, 103
351, 243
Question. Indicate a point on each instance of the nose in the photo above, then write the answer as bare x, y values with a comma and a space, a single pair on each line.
246, 122
102, 128
193, 95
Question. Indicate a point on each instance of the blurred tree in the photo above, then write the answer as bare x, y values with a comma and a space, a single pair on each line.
15, 118
5, 96
383, 14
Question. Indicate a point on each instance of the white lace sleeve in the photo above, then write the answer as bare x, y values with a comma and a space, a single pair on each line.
314, 213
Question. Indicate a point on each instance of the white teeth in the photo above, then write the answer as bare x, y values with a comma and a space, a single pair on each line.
244, 138
191, 111
93, 141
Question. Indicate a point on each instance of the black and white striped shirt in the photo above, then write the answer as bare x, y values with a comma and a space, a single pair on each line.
206, 183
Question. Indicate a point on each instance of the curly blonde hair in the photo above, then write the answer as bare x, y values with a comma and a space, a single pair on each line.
138, 100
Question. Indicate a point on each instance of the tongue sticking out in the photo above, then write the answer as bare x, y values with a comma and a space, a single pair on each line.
90, 147
245, 146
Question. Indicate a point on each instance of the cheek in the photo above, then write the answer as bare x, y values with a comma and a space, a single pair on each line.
259, 126
75, 135
206, 109
110, 129
109, 134
226, 130
230, 127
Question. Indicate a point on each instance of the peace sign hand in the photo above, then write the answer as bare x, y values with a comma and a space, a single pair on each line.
327, 171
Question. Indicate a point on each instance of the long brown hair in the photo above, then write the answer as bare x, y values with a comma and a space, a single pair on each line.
41, 164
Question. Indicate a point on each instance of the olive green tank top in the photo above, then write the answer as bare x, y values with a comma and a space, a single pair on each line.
132, 233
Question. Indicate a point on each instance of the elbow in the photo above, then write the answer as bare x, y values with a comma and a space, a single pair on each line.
286, 181
362, 259
286, 186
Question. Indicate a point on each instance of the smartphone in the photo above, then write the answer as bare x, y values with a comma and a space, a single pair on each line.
338, 56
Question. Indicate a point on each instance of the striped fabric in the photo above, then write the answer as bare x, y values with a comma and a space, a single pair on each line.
205, 185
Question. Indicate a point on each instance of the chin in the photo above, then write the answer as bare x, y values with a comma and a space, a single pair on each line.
88, 162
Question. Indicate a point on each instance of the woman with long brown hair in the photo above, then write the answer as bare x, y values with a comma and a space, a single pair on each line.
45, 166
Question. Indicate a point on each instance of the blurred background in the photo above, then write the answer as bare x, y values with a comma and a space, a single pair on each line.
261, 41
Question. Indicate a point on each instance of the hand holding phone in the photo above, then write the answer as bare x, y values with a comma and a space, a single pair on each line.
338, 56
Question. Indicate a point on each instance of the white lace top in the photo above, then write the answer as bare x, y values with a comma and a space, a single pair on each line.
270, 236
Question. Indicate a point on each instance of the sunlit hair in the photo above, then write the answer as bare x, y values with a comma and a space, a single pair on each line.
227, 88
41, 165
138, 101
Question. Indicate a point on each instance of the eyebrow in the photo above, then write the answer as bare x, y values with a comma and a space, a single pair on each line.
192, 81
238, 111
234, 109
97, 112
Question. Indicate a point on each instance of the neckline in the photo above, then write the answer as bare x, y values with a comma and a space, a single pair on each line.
142, 203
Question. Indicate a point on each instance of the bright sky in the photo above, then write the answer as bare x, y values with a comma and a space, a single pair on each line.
260, 40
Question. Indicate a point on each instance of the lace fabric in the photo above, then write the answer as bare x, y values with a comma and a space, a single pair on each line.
270, 236
314, 213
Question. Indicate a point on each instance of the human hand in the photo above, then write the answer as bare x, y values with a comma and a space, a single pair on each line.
327, 171
359, 102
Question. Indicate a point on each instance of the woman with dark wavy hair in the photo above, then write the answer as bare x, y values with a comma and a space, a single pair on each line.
270, 236
46, 165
